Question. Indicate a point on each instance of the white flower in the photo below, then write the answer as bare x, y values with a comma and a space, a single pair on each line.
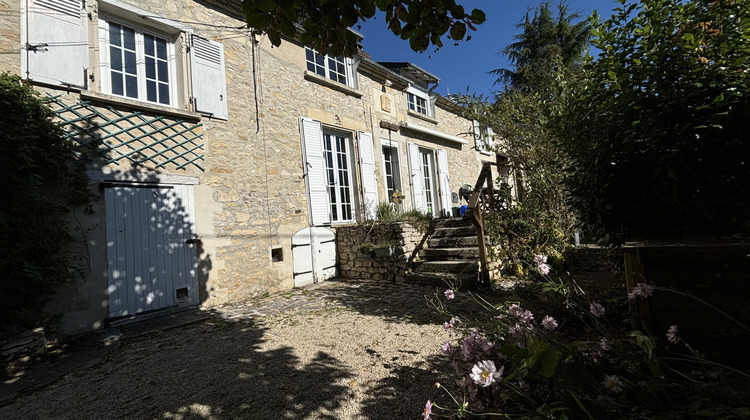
544, 269
604, 344
596, 309
672, 334
484, 373
540, 259
549, 323
449, 294
612, 383
641, 290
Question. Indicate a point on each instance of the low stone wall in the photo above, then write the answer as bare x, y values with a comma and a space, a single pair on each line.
354, 263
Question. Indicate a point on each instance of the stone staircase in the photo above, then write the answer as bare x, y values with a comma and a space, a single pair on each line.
451, 252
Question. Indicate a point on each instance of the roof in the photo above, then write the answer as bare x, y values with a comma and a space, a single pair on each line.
411, 71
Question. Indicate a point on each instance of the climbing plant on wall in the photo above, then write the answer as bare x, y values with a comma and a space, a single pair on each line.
42, 177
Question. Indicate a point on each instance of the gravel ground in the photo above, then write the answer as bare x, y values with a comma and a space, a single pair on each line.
340, 350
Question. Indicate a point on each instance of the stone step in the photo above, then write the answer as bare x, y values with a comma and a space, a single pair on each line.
452, 222
447, 267
442, 280
442, 232
457, 242
449, 253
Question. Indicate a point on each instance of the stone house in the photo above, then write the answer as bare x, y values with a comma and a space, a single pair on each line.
221, 165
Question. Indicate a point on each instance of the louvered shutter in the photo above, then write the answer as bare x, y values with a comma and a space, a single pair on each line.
367, 169
209, 84
416, 178
490, 140
444, 179
315, 172
54, 46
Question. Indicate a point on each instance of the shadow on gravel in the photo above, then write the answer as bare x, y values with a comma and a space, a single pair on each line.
210, 370
408, 387
398, 302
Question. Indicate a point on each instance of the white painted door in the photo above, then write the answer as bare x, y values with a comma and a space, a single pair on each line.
313, 255
151, 255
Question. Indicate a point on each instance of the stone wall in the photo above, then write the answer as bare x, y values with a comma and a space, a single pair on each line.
354, 263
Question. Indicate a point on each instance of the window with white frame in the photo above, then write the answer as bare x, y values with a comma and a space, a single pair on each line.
418, 101
140, 63
484, 138
338, 69
391, 171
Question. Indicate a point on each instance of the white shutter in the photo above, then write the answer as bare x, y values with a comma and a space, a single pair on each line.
444, 179
54, 42
490, 140
209, 83
477, 136
315, 171
416, 180
367, 169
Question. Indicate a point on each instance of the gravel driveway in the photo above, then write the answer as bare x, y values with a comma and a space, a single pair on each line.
342, 349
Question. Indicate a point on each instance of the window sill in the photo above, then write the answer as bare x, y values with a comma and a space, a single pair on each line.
157, 109
421, 116
332, 84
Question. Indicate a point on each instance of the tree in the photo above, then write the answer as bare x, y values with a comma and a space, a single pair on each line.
42, 178
547, 44
325, 23
658, 132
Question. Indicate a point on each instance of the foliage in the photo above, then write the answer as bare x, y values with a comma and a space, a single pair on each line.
326, 23
572, 358
522, 116
547, 44
392, 213
658, 127
42, 177
386, 212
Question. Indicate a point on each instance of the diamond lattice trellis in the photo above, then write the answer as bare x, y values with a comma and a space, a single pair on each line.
135, 136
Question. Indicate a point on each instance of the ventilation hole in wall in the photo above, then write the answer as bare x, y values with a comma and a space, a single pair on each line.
182, 293
277, 254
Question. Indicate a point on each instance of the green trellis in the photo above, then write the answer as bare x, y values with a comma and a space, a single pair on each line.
135, 136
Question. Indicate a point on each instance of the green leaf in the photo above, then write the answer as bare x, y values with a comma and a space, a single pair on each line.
644, 342
458, 31
478, 16
549, 360
612, 75
689, 37
719, 98
263, 5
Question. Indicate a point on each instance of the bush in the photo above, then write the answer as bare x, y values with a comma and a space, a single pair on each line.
567, 355
42, 178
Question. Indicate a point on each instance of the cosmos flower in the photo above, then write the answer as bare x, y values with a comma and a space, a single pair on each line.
484, 373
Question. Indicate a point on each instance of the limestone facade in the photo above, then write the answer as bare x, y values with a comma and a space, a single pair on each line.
246, 194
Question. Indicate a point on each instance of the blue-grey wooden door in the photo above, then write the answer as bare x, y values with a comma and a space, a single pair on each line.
151, 253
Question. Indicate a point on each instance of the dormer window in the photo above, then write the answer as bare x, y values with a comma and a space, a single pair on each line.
418, 101
338, 69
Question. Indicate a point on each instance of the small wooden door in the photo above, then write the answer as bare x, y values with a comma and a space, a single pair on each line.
313, 255
151, 255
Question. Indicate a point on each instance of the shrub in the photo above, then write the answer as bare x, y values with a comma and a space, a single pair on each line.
42, 178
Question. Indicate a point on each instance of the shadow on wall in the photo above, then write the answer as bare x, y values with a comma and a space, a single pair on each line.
155, 260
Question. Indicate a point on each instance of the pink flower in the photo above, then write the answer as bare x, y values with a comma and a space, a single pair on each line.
612, 383
641, 290
484, 373
514, 309
446, 347
544, 269
427, 410
596, 309
541, 263
604, 344
672, 334
549, 323
448, 325
526, 316
450, 294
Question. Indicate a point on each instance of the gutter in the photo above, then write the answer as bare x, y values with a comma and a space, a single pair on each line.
431, 132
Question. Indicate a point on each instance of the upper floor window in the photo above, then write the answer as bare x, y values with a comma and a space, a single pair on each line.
418, 101
338, 68
484, 138
140, 64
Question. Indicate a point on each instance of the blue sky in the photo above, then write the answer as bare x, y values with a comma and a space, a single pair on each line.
468, 64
